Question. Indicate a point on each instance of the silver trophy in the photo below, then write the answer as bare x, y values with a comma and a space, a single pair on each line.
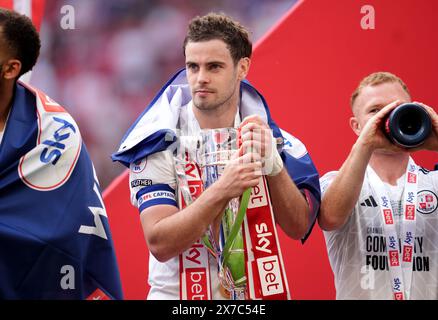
209, 153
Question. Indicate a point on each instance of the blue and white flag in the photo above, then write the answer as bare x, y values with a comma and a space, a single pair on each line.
55, 241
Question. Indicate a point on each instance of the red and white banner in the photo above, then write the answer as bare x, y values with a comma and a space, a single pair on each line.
264, 263
194, 266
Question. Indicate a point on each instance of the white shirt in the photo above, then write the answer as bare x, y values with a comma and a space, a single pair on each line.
357, 251
159, 170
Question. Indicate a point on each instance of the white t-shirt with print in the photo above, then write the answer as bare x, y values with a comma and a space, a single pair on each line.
357, 251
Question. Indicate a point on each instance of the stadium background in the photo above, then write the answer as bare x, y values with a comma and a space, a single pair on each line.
309, 56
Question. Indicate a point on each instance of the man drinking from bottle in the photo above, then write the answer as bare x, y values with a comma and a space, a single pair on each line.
379, 211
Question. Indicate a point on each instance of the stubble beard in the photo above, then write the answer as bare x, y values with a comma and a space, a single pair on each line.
214, 105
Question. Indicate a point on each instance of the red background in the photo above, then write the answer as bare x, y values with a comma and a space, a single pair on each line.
37, 10
307, 67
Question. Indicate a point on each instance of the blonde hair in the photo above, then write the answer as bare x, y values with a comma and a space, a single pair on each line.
375, 79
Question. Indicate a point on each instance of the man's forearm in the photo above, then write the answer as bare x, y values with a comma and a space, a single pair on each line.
341, 197
177, 232
291, 209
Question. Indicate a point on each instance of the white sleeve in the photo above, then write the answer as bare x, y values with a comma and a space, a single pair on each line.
152, 181
326, 180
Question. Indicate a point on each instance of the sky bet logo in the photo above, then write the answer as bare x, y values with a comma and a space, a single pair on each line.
385, 202
388, 216
270, 275
397, 285
56, 143
392, 243
393, 258
409, 238
407, 253
49, 165
410, 212
410, 197
412, 177
398, 294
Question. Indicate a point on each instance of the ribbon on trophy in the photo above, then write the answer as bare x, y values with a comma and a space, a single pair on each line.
247, 250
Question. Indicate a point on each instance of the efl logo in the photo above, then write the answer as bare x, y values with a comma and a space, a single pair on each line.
139, 166
155, 195
388, 216
393, 258
258, 196
196, 281
407, 253
412, 177
410, 212
270, 276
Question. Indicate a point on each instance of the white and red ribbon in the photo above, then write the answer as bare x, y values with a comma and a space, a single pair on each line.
263, 260
399, 259
195, 283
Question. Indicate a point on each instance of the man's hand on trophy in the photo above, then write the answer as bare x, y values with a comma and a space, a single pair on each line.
240, 173
257, 137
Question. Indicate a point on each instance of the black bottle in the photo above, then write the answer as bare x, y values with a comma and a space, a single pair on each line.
408, 125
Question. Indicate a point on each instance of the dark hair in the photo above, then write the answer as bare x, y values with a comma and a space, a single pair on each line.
20, 37
219, 26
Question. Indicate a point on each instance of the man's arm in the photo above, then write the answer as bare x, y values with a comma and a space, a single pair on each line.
340, 198
169, 232
290, 207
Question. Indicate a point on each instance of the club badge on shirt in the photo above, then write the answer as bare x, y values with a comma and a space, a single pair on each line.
427, 202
